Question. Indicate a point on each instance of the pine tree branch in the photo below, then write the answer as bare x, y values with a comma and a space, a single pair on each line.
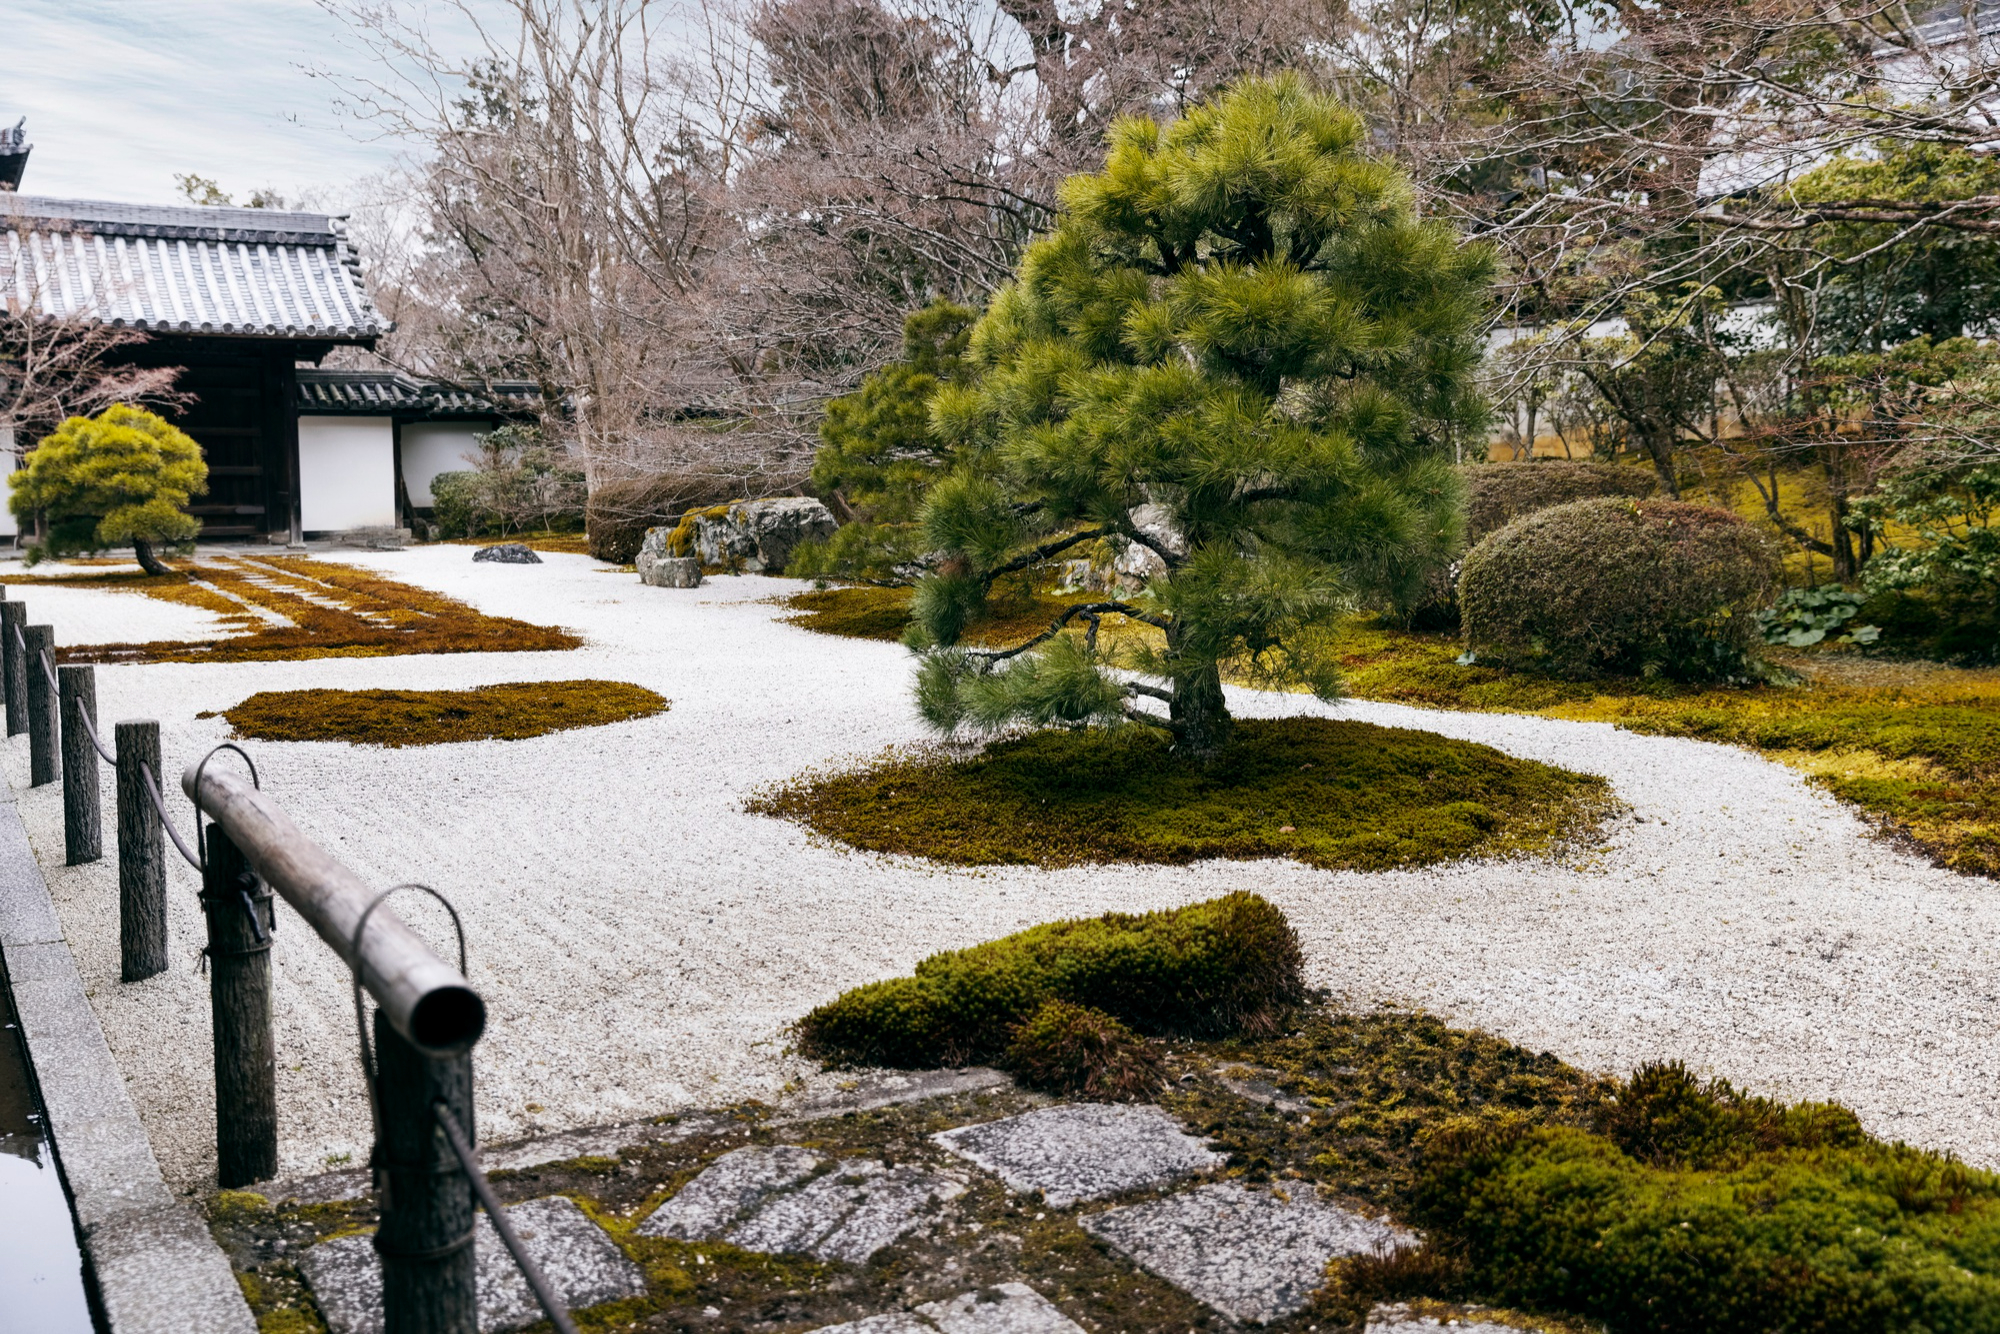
1046, 550
1087, 609
1151, 692
1153, 720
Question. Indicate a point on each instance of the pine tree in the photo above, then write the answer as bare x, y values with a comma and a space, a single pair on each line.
1242, 348
122, 476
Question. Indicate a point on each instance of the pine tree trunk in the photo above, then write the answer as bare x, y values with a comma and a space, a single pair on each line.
147, 560
1203, 716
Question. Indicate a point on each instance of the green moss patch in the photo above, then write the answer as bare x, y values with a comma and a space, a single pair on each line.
435, 717
1327, 792
1229, 965
1015, 610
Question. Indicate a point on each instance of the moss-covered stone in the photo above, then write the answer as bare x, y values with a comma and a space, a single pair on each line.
1327, 792
435, 717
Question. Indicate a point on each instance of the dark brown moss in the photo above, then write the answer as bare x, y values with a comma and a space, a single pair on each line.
436, 717
1082, 1051
1015, 610
332, 610
1327, 792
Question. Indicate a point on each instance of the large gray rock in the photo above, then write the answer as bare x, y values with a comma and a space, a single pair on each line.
659, 567
508, 553
1253, 1255
767, 1199
757, 536
1083, 1151
583, 1265
1004, 1308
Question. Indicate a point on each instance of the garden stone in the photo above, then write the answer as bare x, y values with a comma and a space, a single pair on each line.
508, 553
1253, 1255
757, 536
580, 1262
848, 1214
1083, 1151
1005, 1308
667, 571
1399, 1319
728, 1188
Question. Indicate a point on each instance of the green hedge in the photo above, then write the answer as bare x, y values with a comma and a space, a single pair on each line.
1620, 587
1496, 494
1230, 965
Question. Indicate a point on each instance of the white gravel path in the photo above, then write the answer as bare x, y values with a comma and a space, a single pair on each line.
641, 941
83, 615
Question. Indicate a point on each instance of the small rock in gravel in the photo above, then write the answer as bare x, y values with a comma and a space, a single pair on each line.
508, 553
727, 1189
583, 1264
1251, 1254
848, 1214
1082, 1151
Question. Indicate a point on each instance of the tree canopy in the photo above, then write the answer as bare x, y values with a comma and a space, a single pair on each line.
122, 476
1241, 348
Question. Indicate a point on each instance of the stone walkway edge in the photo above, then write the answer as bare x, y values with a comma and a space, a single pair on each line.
150, 1259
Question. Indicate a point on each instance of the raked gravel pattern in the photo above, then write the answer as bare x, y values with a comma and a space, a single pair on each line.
642, 942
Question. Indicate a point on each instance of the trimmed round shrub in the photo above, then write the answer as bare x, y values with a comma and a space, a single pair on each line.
1227, 966
1078, 1051
1620, 587
1496, 494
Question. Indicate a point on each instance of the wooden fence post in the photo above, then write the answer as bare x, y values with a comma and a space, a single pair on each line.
142, 858
425, 1237
44, 716
14, 616
83, 813
240, 917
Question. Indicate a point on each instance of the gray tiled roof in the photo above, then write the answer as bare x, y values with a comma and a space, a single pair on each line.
341, 392
180, 269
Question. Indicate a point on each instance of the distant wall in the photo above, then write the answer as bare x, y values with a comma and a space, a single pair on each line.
430, 448
347, 473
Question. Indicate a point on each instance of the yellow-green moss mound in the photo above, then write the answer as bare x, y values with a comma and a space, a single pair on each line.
1227, 966
1329, 793
434, 717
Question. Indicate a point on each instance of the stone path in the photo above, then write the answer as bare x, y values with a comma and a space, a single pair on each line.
1004, 1308
1082, 1151
584, 1265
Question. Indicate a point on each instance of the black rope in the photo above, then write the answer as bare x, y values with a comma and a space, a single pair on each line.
551, 1304
82, 715
152, 787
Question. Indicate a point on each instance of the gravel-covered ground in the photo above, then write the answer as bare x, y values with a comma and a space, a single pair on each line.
641, 942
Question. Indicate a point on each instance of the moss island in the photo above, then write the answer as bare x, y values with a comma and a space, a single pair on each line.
1330, 793
434, 717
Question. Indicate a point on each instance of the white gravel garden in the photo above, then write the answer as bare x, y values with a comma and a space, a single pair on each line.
642, 942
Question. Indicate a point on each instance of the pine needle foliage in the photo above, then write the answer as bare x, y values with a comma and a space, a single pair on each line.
1242, 348
122, 476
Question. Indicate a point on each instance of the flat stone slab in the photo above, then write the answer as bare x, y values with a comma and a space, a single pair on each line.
768, 1200
849, 1214
727, 1189
1005, 1308
582, 1264
1083, 1151
1401, 1320
1250, 1254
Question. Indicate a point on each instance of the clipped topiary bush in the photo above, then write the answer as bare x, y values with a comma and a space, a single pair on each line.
1078, 1051
1230, 965
1744, 1217
1620, 587
1496, 494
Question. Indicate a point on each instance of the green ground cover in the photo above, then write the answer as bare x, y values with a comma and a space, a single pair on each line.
1329, 793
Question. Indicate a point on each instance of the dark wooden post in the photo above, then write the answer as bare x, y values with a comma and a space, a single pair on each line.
14, 616
239, 911
83, 815
44, 717
142, 858
425, 1237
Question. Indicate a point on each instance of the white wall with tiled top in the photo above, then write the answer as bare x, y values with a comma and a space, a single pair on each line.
347, 473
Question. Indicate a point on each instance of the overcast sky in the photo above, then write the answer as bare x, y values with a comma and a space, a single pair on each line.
122, 94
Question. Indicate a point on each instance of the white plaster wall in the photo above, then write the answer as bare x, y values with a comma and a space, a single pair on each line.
347, 473
430, 448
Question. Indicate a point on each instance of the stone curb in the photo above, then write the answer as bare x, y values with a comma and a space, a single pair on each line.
152, 1263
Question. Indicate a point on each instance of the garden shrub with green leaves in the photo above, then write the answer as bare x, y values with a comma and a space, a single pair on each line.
1620, 587
1078, 1051
1689, 1207
1496, 494
1938, 592
123, 476
1806, 616
1230, 965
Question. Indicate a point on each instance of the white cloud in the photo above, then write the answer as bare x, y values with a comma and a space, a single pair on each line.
122, 94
